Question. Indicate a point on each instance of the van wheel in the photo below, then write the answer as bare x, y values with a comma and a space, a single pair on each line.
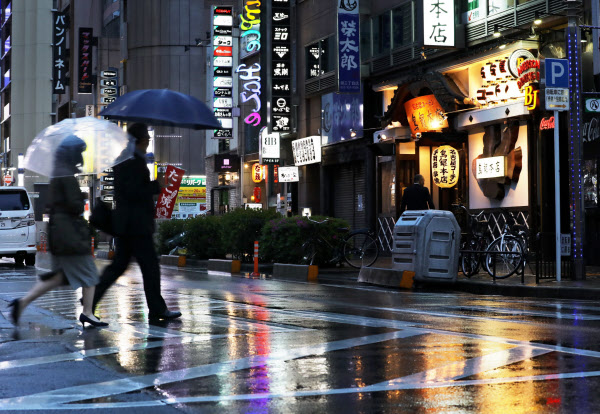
30, 260
19, 261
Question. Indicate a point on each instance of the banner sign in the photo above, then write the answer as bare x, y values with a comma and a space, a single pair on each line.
490, 167
281, 95
438, 23
85, 60
222, 41
59, 52
288, 174
269, 150
348, 47
444, 166
307, 150
168, 195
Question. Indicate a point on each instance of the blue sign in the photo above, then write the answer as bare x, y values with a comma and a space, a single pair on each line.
557, 73
348, 53
342, 117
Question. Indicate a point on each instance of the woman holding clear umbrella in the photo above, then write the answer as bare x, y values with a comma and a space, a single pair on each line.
69, 236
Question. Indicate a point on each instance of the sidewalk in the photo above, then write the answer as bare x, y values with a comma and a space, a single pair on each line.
481, 283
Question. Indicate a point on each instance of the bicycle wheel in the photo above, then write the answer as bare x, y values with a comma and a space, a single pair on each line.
360, 250
508, 262
309, 251
469, 262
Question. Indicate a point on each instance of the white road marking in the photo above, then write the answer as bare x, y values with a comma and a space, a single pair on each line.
55, 398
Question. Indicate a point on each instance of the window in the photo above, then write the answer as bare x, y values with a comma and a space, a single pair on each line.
320, 57
14, 200
381, 34
365, 39
497, 6
402, 25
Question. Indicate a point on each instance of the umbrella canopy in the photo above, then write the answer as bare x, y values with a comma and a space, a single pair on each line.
162, 107
56, 150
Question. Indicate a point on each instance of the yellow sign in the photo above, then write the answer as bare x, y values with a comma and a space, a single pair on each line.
531, 97
444, 166
425, 114
257, 173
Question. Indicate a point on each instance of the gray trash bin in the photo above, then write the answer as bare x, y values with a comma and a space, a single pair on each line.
427, 243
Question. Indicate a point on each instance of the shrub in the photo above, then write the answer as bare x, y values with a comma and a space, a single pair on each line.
204, 238
167, 230
282, 239
241, 227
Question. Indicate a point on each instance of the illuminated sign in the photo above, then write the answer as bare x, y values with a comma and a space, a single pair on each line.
85, 60
307, 150
529, 71
288, 174
491, 167
438, 23
531, 97
250, 75
269, 151
498, 84
445, 166
222, 41
281, 97
257, 173
547, 123
425, 114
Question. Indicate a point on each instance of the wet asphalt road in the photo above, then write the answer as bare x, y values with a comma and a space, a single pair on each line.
264, 346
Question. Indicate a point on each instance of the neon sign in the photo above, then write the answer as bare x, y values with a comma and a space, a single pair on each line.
251, 75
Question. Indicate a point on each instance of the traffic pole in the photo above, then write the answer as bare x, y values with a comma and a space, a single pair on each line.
255, 273
92, 245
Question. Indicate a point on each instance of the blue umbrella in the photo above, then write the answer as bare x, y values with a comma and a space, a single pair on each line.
162, 107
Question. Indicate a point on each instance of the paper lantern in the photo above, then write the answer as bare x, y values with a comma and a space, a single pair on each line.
444, 166
257, 173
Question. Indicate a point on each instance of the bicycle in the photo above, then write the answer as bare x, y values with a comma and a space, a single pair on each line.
358, 247
473, 243
512, 255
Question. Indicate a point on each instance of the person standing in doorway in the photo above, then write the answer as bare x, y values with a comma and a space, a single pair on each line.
416, 196
133, 225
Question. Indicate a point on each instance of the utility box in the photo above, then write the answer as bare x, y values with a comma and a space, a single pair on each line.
427, 242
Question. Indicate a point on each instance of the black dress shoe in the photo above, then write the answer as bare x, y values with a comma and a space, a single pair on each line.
15, 313
165, 315
84, 319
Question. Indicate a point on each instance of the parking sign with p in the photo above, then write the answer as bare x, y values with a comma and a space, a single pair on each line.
557, 73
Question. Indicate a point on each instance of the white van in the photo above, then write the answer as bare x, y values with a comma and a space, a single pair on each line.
17, 226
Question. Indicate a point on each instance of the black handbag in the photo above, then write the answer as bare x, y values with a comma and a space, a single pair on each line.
69, 235
101, 217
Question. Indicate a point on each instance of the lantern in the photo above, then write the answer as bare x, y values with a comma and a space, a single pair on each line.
256, 194
444, 166
257, 173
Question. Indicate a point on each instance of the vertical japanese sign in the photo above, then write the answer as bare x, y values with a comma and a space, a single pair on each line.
444, 166
281, 97
59, 52
168, 195
438, 23
222, 41
85, 60
348, 47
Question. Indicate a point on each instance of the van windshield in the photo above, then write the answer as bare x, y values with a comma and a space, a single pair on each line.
14, 200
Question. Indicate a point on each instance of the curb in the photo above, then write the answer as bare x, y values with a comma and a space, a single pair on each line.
559, 292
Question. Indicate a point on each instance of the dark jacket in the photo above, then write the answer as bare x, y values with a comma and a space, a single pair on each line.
416, 197
134, 212
68, 232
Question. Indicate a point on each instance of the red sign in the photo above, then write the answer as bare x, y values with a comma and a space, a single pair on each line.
547, 123
256, 194
8, 179
168, 195
224, 51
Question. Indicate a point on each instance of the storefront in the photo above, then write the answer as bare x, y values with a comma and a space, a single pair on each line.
495, 132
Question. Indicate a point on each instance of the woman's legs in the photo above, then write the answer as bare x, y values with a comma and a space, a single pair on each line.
41, 287
87, 301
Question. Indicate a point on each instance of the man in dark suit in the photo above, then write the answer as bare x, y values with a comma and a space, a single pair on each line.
133, 224
416, 196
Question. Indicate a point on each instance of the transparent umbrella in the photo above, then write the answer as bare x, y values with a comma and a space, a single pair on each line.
106, 145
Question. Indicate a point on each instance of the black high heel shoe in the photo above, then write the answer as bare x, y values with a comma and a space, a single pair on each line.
84, 319
15, 313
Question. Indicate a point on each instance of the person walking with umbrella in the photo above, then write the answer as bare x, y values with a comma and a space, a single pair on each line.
133, 224
69, 236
